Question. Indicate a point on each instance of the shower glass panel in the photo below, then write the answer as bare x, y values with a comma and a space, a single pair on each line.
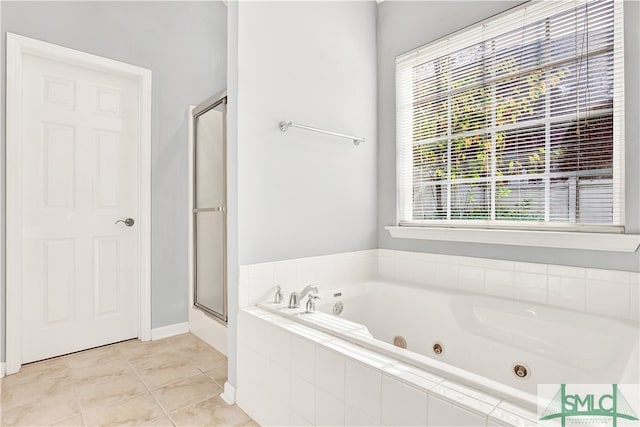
210, 261
209, 159
209, 210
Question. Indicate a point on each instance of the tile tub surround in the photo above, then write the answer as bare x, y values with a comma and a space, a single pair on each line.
556, 345
602, 292
289, 374
257, 282
312, 375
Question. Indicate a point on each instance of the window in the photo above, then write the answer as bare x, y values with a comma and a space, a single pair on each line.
516, 122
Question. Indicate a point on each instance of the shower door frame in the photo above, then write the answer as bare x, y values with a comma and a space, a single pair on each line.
194, 113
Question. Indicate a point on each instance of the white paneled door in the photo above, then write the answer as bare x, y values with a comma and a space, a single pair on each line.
79, 175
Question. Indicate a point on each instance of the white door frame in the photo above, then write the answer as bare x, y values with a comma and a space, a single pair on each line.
17, 46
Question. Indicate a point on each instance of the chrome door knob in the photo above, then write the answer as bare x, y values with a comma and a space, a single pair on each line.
128, 221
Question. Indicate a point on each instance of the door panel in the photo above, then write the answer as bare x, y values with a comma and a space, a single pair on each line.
107, 275
107, 160
80, 174
59, 170
59, 272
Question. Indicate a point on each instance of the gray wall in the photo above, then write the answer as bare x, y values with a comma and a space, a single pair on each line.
405, 25
299, 193
302, 193
184, 44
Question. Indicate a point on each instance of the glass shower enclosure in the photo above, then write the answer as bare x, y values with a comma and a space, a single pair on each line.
209, 208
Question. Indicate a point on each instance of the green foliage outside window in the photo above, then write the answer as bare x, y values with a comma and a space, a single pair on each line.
459, 117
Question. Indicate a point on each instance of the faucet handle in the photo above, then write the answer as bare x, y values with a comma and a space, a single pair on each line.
311, 303
294, 300
278, 297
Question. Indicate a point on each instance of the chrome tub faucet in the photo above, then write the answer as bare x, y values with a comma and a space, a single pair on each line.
311, 303
294, 299
277, 299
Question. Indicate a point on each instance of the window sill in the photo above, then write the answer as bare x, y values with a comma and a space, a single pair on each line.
544, 239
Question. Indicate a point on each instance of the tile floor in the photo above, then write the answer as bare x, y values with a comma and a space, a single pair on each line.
171, 382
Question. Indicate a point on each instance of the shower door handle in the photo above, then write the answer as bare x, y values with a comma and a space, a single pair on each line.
216, 209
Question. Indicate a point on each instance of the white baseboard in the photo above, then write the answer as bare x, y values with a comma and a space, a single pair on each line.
229, 394
169, 331
2, 369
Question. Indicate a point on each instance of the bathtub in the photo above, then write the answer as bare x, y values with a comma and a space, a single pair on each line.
485, 342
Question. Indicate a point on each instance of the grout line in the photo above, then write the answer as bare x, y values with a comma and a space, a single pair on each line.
152, 395
212, 379
75, 391
202, 372
82, 416
167, 413
194, 404
180, 352
126, 359
171, 382
116, 400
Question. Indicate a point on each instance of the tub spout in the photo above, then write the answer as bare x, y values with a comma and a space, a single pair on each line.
294, 299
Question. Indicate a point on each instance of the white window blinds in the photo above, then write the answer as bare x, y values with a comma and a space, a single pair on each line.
517, 121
